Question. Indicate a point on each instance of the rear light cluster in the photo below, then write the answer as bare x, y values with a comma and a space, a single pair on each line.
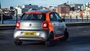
18, 24
45, 25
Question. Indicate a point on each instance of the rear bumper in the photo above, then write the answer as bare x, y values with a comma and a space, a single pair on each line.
31, 39
41, 35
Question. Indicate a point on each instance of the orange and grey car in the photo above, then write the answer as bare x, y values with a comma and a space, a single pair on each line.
42, 26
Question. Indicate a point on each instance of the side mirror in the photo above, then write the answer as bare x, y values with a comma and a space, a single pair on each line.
63, 20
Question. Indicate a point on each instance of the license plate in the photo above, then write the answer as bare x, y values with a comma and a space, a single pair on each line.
30, 33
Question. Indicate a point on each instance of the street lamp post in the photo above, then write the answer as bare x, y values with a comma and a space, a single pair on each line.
16, 14
1, 16
0, 5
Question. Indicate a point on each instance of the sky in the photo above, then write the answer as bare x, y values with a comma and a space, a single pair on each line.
14, 3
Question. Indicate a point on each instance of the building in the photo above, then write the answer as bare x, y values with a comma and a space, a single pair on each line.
63, 9
24, 8
52, 8
30, 6
76, 6
19, 11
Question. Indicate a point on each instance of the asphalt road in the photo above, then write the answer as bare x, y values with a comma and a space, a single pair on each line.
79, 40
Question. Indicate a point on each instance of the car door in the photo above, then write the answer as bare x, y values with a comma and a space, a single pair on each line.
61, 26
57, 24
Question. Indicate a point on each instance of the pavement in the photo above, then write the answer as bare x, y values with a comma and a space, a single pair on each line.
79, 40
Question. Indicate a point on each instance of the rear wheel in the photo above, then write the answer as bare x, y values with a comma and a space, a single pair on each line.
66, 35
18, 42
50, 41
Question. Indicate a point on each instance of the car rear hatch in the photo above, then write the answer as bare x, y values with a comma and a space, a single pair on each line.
32, 21
31, 25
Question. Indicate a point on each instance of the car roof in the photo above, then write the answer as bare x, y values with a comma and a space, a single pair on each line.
38, 11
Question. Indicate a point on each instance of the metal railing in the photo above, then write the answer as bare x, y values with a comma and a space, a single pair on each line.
77, 19
67, 19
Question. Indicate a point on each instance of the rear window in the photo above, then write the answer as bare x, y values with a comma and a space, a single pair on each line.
33, 17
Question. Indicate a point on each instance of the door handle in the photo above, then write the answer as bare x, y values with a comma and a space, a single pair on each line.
54, 24
59, 24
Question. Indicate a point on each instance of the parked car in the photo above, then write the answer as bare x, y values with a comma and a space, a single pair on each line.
42, 26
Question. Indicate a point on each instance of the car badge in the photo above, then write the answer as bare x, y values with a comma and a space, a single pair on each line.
30, 24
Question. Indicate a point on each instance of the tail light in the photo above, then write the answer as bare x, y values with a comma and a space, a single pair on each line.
18, 24
45, 25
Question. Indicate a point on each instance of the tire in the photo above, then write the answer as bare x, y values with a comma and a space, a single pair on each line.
42, 43
50, 41
66, 35
17, 42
